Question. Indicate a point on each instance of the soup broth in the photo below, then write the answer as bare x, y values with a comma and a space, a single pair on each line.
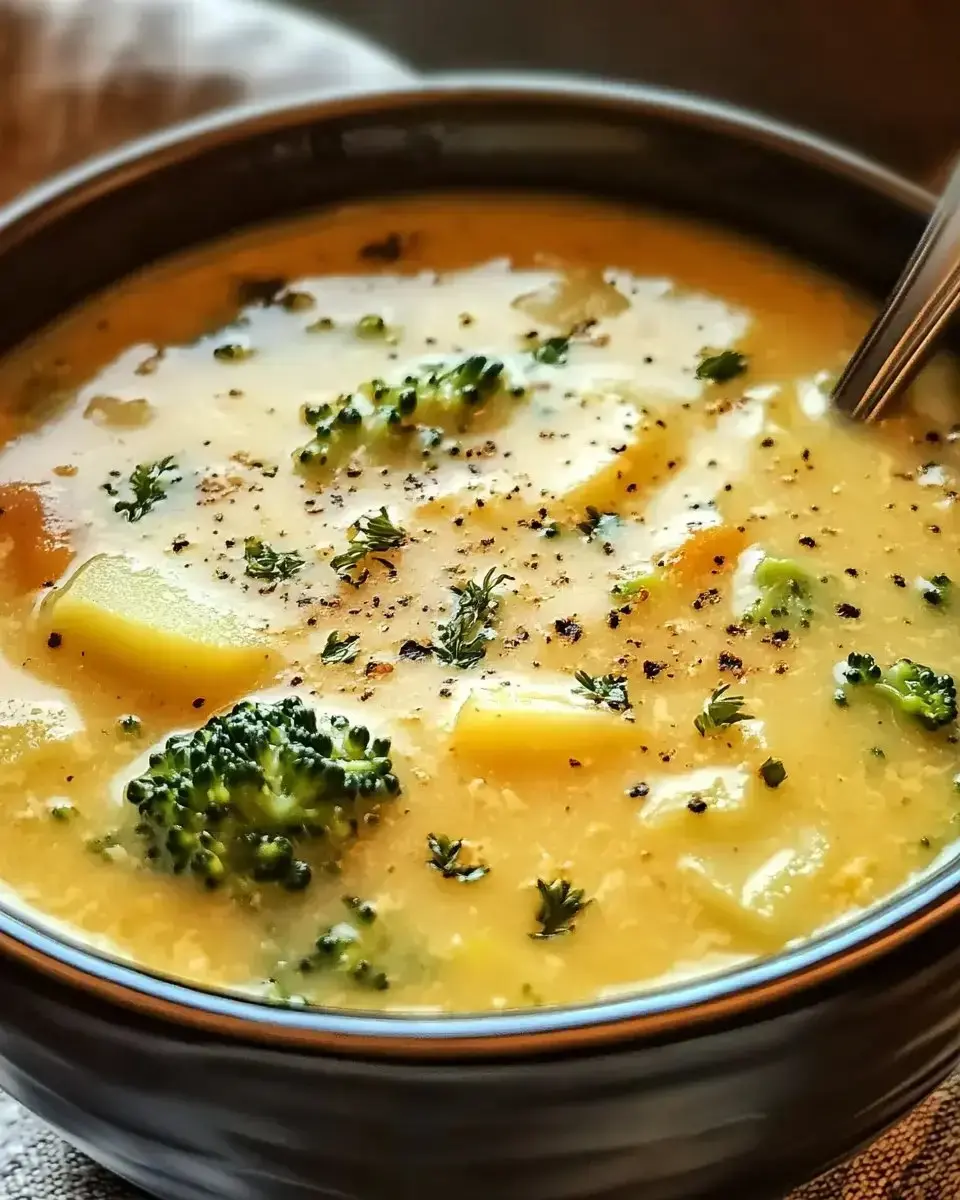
545, 492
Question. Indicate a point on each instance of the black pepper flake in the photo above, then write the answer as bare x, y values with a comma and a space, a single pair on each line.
767, 443
387, 250
415, 651
652, 669
852, 572
807, 541
199, 702
55, 641
575, 762
729, 662
849, 611
899, 581
568, 629
638, 791
780, 637
697, 804
179, 544
736, 631
613, 619
710, 596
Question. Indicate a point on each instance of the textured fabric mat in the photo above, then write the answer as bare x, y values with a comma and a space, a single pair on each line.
77, 76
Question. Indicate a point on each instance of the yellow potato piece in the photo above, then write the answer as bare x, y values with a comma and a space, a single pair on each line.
772, 904
124, 616
606, 448
509, 726
622, 456
724, 790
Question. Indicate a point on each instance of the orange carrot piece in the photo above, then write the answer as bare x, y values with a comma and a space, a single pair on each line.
34, 547
706, 552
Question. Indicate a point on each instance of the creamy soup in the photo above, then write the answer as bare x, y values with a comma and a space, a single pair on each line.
524, 533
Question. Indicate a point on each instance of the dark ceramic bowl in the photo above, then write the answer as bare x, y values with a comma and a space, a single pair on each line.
739, 1085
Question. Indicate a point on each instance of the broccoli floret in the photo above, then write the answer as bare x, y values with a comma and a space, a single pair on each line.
786, 594
436, 400
338, 431
345, 947
232, 802
913, 689
357, 947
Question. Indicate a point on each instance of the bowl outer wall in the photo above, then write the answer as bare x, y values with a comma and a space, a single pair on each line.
750, 1081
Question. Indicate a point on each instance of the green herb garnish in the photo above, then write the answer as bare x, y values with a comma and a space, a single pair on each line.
372, 533
560, 904
233, 352
936, 590
148, 487
340, 650
609, 690
371, 326
445, 858
462, 641
720, 710
552, 351
597, 523
722, 367
773, 772
263, 562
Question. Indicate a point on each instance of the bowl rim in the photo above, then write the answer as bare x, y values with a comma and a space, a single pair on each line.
680, 1009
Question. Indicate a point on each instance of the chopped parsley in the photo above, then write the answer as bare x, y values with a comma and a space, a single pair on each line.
773, 772
608, 690
722, 367
720, 710
263, 562
372, 533
462, 641
445, 857
340, 650
148, 486
552, 351
560, 905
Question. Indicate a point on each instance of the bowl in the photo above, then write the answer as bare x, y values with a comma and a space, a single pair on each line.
743, 1084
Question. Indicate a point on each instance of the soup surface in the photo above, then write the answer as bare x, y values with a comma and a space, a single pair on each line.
547, 494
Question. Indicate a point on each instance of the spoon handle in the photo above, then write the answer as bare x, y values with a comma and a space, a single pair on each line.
902, 338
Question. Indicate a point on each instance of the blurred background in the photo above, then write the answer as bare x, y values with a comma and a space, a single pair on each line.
77, 76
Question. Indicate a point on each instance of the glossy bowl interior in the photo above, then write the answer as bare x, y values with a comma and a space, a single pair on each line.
84, 231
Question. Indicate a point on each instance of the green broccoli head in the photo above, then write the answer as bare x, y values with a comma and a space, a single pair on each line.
913, 689
346, 948
338, 431
786, 594
376, 411
232, 802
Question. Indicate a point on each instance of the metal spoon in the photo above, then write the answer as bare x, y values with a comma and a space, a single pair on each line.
903, 337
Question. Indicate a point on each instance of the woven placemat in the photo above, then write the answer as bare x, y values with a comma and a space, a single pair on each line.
77, 76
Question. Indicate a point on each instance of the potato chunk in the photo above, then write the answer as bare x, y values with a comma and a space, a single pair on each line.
512, 725
771, 905
625, 451
674, 803
133, 619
